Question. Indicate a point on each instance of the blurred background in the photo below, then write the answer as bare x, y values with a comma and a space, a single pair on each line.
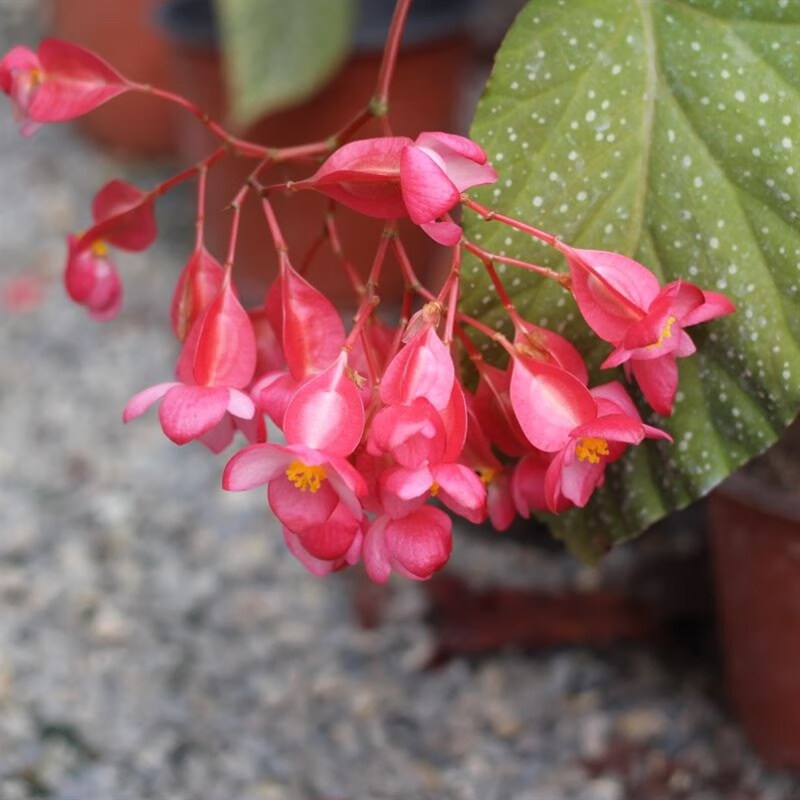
157, 641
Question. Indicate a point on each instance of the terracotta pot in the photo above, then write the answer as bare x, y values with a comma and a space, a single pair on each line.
755, 538
125, 33
418, 103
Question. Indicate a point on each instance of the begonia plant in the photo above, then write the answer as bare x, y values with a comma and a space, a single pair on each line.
474, 399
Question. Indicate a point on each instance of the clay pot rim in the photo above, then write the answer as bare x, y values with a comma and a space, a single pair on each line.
754, 492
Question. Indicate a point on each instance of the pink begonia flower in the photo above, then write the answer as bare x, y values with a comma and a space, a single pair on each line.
393, 176
558, 414
622, 302
91, 280
59, 82
123, 216
415, 546
216, 364
312, 488
310, 332
198, 284
315, 495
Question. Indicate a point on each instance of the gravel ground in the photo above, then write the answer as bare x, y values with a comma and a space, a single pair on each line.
158, 643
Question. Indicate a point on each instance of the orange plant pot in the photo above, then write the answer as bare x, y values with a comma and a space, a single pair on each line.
123, 32
755, 540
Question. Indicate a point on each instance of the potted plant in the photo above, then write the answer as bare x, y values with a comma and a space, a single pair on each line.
614, 332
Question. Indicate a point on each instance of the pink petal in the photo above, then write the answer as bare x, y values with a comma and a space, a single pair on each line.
444, 233
614, 393
454, 419
225, 354
332, 539
413, 434
423, 368
500, 503
658, 332
549, 402
420, 543
313, 333
74, 82
326, 413
404, 490
220, 436
463, 161
254, 466
187, 412
140, 402
427, 191
461, 490
298, 509
686, 298
364, 175
612, 291
198, 285
376, 551
580, 479
658, 380
240, 404
527, 483
545, 345
613, 428
273, 393
269, 352
316, 566
127, 214
714, 305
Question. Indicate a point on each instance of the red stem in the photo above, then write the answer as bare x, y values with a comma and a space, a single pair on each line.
336, 247
236, 205
489, 214
367, 307
380, 100
240, 146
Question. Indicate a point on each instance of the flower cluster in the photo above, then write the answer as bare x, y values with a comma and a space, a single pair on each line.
379, 424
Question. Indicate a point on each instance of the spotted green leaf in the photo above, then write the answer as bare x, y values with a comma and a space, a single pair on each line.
277, 52
666, 130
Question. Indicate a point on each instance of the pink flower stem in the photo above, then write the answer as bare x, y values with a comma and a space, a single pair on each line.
379, 105
202, 182
495, 336
452, 307
408, 270
372, 367
311, 253
490, 214
405, 315
232, 143
364, 313
489, 258
336, 247
236, 206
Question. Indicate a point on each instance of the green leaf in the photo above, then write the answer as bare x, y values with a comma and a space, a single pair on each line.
277, 52
667, 131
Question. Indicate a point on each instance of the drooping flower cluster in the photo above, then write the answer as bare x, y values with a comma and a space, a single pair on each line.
380, 427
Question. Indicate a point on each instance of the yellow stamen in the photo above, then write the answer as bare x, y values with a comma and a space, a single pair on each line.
486, 474
35, 76
590, 449
100, 248
666, 333
305, 477
434, 489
